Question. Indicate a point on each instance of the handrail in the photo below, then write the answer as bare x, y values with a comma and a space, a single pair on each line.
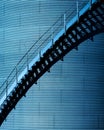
35, 49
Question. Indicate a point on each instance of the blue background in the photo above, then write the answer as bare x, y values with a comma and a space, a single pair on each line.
71, 96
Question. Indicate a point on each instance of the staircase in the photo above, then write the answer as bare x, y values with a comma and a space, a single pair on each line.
87, 23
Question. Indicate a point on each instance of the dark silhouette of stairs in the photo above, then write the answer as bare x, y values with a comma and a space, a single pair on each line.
90, 23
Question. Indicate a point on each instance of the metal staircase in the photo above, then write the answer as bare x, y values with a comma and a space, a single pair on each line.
88, 24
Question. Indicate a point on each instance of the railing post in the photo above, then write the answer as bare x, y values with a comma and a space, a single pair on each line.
16, 75
40, 54
65, 23
6, 88
90, 4
27, 63
52, 36
78, 10
78, 21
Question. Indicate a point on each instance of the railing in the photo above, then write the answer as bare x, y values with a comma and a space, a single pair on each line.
35, 50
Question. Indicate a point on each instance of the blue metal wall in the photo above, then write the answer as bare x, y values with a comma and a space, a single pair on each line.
71, 96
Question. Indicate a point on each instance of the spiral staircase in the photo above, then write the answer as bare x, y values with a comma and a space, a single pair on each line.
87, 23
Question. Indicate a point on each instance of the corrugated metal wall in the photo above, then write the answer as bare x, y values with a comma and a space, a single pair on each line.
71, 96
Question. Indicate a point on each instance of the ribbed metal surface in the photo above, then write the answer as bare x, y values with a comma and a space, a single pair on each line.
54, 103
